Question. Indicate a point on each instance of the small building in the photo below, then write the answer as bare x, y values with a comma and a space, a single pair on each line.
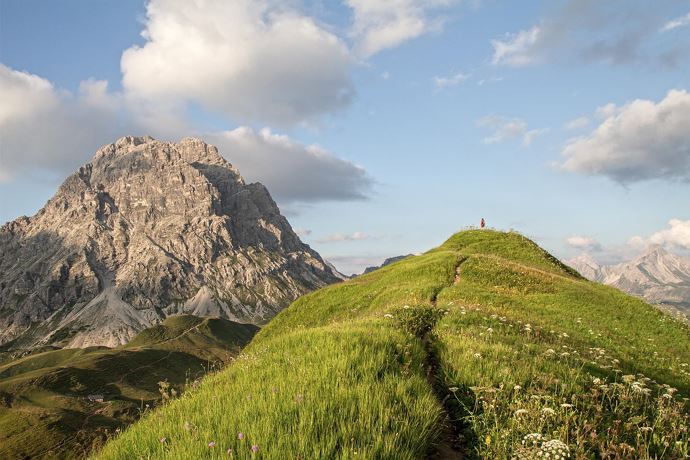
95, 398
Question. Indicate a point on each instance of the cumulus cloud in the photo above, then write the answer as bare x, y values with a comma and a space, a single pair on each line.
639, 141
293, 172
383, 24
584, 243
340, 237
451, 80
45, 129
681, 21
614, 32
677, 235
251, 60
509, 128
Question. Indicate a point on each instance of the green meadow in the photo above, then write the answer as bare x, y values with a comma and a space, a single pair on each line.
485, 347
45, 411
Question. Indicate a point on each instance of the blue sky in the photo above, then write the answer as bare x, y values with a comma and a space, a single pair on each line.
379, 127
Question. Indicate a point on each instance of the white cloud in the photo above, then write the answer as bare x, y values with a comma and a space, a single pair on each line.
517, 49
585, 243
681, 21
340, 237
639, 141
291, 171
45, 129
577, 123
251, 60
677, 235
613, 32
384, 24
509, 128
451, 80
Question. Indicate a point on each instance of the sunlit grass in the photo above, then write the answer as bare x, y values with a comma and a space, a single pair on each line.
532, 358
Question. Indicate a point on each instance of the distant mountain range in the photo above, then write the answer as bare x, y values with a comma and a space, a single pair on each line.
658, 276
146, 230
388, 261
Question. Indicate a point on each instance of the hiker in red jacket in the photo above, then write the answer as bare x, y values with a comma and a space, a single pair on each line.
482, 224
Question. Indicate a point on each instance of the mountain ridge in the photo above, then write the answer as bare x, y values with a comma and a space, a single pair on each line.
656, 275
145, 230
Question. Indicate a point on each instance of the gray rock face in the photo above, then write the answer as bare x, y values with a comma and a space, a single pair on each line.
661, 278
148, 229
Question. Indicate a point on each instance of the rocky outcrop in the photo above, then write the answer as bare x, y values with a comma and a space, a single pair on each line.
658, 276
146, 230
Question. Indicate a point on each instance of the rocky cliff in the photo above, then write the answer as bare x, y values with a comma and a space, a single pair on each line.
146, 230
658, 276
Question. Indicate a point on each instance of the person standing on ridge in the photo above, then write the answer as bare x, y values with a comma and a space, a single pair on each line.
482, 224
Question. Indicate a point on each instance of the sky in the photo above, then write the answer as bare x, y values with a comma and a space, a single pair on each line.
380, 127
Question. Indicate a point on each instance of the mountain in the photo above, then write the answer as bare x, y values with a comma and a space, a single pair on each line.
388, 261
146, 230
658, 276
63, 403
484, 347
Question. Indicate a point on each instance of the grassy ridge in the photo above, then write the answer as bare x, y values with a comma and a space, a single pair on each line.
44, 411
486, 345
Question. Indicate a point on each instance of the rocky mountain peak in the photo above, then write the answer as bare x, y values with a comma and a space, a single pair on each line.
145, 230
657, 275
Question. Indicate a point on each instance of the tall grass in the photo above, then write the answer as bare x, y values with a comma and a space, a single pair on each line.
531, 359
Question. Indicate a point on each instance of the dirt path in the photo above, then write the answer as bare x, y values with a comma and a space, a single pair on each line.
449, 449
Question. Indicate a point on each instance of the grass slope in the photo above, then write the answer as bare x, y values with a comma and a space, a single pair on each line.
44, 411
485, 347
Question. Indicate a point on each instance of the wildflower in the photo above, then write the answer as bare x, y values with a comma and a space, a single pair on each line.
229, 451
533, 438
646, 429
387, 315
162, 440
547, 411
255, 448
478, 355
489, 330
567, 406
453, 389
212, 444
555, 449
550, 351
521, 412
628, 378
240, 436
517, 388
406, 307
667, 396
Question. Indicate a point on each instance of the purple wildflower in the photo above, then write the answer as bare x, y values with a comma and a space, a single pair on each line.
240, 436
229, 451
163, 440
255, 448
212, 444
